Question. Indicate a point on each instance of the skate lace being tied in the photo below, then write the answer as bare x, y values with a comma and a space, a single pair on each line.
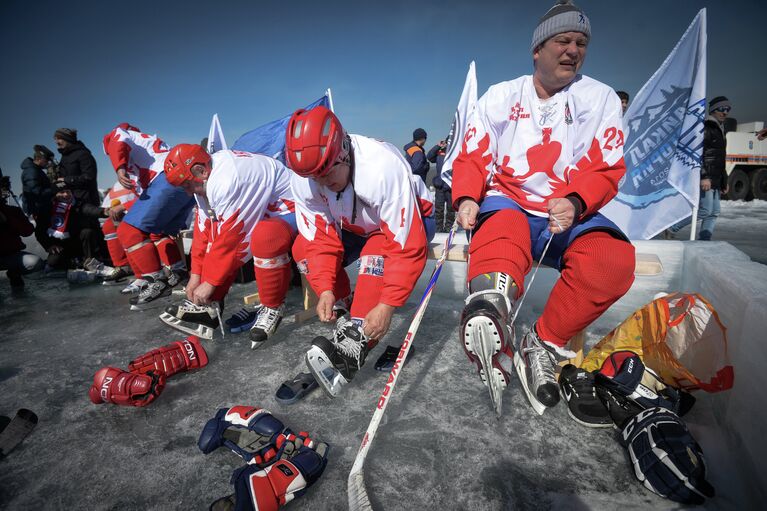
189, 306
350, 346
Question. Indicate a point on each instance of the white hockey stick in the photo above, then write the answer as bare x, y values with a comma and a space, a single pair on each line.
358, 497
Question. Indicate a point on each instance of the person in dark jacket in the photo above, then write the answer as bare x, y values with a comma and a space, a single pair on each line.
443, 200
713, 174
13, 226
416, 156
77, 173
37, 189
77, 168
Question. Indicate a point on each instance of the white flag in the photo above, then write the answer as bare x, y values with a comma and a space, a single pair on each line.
664, 142
455, 139
216, 140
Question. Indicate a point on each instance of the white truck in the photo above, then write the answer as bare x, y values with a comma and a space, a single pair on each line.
747, 163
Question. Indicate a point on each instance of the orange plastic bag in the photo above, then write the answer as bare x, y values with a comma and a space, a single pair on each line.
679, 336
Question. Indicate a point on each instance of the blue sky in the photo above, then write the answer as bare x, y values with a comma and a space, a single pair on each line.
167, 66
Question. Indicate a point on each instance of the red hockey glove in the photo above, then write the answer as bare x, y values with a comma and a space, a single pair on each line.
113, 385
177, 357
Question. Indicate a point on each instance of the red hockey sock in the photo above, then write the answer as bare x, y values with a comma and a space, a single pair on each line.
502, 244
167, 249
141, 252
116, 250
597, 270
270, 243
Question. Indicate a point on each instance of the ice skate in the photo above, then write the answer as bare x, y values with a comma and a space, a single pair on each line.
267, 321
177, 276
155, 290
199, 320
134, 287
536, 361
487, 340
335, 363
116, 276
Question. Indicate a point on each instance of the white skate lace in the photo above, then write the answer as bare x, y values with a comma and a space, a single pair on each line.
188, 306
349, 346
266, 318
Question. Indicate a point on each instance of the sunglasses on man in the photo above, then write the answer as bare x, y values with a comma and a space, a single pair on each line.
723, 109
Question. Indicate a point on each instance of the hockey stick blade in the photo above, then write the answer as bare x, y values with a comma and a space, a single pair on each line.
356, 493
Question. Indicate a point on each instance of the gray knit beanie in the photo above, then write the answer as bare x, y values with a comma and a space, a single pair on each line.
563, 17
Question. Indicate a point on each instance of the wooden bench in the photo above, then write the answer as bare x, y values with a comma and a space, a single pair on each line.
646, 265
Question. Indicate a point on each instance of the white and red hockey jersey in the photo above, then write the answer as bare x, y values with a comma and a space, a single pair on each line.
530, 150
242, 189
382, 196
142, 155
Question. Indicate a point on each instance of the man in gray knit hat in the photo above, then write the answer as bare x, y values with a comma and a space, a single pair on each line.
543, 153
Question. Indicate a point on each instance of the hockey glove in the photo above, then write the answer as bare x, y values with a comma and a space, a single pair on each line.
665, 456
113, 385
177, 357
626, 387
267, 489
252, 433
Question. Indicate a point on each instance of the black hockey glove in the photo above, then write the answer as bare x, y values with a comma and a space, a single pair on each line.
626, 387
665, 456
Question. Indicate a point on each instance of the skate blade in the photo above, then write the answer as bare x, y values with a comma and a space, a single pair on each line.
202, 331
521, 368
488, 344
114, 282
329, 378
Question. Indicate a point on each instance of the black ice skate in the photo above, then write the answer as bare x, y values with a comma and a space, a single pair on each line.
267, 321
583, 404
536, 361
156, 288
487, 340
335, 363
199, 320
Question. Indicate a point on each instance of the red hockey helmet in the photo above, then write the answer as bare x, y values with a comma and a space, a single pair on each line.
314, 141
181, 159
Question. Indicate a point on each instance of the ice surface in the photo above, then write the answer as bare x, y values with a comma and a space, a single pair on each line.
439, 446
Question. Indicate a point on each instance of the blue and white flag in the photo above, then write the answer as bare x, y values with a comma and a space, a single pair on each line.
455, 139
269, 139
664, 142
216, 140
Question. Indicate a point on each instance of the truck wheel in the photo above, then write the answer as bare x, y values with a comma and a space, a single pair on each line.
739, 184
759, 184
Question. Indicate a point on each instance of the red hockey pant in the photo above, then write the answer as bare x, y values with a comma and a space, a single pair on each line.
597, 269
367, 292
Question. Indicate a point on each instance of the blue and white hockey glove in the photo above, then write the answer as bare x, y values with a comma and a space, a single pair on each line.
665, 456
269, 488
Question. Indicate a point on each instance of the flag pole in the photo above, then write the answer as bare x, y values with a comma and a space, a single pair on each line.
329, 94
